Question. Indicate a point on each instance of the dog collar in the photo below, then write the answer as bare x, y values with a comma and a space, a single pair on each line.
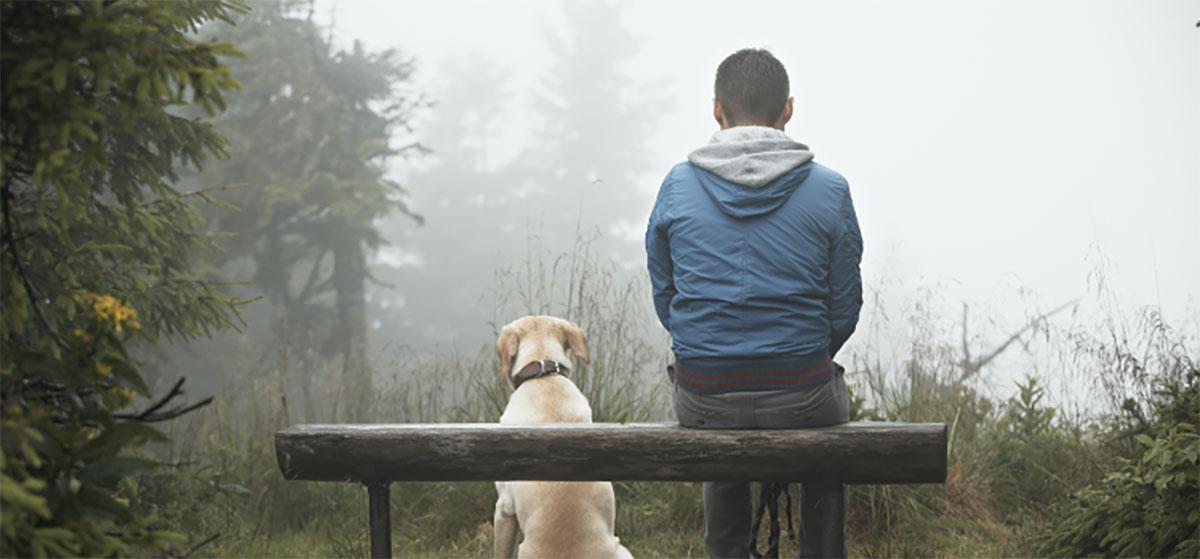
536, 369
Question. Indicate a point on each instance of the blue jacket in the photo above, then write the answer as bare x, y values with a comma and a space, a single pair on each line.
759, 283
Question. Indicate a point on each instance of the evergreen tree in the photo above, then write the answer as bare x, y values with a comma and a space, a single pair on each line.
594, 125
311, 131
574, 179
98, 253
468, 203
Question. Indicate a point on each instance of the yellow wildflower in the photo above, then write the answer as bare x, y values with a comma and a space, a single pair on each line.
103, 368
110, 310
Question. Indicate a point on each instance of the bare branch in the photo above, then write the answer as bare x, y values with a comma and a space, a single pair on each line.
376, 281
152, 415
176, 390
313, 274
972, 367
176, 412
197, 547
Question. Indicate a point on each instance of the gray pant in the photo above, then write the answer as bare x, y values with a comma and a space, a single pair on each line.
728, 505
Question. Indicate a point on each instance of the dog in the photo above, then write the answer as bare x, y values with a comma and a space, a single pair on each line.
559, 519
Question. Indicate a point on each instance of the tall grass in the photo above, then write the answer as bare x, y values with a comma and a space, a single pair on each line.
1012, 459
627, 377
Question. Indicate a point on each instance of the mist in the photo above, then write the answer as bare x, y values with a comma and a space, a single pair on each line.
1008, 156
226, 221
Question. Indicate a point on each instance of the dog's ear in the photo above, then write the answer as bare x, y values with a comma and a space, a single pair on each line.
506, 349
576, 342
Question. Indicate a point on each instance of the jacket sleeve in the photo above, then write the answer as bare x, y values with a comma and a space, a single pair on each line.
658, 255
845, 281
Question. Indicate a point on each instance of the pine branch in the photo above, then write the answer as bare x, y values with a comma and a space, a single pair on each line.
7, 197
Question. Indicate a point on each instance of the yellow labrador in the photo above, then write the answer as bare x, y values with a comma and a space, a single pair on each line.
560, 519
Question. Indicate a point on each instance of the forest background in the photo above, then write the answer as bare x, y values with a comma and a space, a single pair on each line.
307, 227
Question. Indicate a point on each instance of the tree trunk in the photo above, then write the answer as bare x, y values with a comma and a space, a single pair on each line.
349, 282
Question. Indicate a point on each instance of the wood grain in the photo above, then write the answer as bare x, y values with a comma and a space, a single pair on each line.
855, 453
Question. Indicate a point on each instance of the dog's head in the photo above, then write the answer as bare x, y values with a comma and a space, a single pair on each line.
538, 338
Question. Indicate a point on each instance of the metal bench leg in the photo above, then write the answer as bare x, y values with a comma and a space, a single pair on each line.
822, 520
380, 519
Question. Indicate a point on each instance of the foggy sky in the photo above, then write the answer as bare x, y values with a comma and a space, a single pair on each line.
998, 152
984, 141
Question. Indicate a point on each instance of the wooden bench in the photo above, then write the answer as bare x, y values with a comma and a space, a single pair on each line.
378, 454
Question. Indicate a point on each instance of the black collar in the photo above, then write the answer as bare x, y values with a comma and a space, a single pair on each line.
536, 369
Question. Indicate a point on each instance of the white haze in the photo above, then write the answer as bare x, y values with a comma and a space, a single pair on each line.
999, 152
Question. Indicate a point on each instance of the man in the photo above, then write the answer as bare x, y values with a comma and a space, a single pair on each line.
753, 251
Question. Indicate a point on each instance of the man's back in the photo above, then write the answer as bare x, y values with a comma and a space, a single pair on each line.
753, 253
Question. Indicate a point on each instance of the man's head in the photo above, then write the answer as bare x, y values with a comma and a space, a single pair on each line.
751, 89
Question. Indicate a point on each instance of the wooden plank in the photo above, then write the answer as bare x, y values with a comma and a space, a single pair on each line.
852, 453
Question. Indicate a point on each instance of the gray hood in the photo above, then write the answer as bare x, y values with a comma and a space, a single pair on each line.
750, 156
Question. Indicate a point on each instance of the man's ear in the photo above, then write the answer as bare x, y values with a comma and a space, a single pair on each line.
719, 114
577, 342
786, 115
506, 349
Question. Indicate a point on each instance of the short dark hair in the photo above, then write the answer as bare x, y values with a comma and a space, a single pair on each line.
752, 86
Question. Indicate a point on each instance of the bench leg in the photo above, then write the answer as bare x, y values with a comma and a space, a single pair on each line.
822, 520
380, 519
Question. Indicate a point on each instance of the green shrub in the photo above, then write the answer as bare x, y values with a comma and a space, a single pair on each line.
1030, 459
1150, 505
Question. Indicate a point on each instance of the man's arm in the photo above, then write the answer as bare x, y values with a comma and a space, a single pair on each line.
658, 256
845, 281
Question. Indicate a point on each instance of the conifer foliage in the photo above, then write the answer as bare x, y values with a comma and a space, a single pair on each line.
98, 247
312, 133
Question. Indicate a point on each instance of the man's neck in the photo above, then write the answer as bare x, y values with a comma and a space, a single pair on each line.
728, 126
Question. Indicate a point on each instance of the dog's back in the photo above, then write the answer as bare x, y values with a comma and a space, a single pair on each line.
550, 512
552, 399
